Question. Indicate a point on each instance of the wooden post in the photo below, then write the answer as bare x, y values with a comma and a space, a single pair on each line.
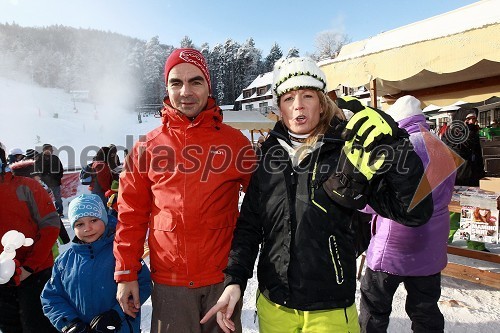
373, 93
361, 266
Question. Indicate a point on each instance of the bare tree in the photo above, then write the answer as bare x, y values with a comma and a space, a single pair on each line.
328, 44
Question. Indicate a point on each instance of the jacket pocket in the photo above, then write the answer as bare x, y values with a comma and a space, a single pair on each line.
335, 257
164, 241
217, 240
164, 221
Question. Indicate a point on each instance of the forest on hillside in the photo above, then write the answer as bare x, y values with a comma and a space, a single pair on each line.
121, 69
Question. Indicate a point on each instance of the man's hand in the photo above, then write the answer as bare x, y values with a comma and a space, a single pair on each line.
224, 308
127, 295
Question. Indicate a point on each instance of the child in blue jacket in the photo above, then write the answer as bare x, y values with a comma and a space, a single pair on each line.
81, 294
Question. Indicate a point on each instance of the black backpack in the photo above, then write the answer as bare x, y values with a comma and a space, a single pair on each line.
86, 174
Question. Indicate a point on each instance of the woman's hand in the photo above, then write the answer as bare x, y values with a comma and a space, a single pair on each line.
224, 308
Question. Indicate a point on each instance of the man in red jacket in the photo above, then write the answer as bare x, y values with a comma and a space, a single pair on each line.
25, 206
181, 183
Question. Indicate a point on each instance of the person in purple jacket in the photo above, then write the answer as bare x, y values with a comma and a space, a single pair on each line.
413, 256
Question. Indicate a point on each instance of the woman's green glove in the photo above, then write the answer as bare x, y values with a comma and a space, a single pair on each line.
368, 134
366, 130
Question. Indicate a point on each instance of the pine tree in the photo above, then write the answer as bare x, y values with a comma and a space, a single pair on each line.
274, 55
153, 80
218, 61
186, 42
248, 59
293, 53
230, 51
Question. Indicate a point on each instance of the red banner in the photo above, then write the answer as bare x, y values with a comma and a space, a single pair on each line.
70, 183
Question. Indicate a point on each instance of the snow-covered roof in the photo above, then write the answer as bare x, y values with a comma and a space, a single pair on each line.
458, 46
226, 107
248, 120
431, 108
261, 80
476, 15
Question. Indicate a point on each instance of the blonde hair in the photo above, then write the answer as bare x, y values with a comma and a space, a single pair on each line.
328, 110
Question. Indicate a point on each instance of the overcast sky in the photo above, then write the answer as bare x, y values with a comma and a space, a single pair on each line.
289, 23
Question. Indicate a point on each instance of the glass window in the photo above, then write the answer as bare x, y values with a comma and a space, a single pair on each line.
484, 118
496, 114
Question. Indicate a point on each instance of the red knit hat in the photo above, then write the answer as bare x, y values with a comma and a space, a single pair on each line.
190, 56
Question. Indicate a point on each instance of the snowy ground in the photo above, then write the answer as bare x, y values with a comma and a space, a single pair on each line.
466, 306
28, 121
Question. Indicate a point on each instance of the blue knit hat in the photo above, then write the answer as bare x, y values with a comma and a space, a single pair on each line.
87, 205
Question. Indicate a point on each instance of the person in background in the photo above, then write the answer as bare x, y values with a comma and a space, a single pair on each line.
112, 197
102, 178
26, 168
298, 211
260, 141
25, 206
471, 118
114, 162
15, 155
80, 296
51, 171
463, 138
31, 154
412, 256
442, 130
181, 182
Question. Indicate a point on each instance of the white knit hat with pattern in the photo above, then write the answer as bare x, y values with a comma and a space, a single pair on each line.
296, 73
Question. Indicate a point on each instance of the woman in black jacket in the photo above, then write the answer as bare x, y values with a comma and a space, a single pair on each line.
299, 207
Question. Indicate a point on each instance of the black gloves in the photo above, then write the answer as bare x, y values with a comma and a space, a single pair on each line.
106, 322
360, 159
76, 326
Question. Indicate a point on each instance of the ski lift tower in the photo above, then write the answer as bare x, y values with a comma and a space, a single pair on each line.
79, 96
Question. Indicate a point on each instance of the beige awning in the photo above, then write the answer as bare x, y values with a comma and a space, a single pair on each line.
248, 120
458, 51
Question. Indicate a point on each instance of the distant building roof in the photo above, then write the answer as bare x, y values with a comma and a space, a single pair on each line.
249, 120
226, 107
261, 80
